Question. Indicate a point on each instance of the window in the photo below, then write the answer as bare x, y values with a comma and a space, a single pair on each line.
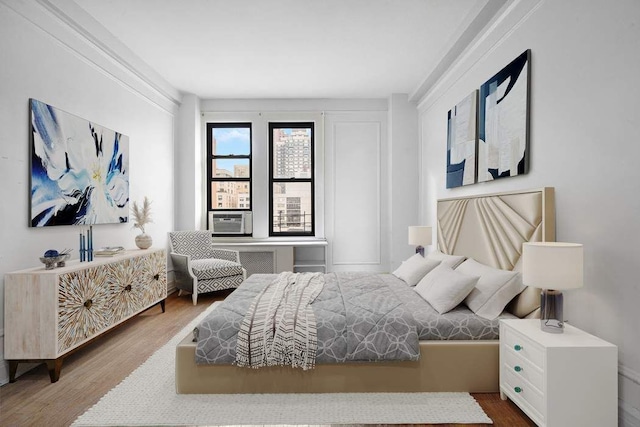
228, 166
291, 199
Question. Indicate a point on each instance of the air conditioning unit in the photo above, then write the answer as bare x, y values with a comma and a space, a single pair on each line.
230, 222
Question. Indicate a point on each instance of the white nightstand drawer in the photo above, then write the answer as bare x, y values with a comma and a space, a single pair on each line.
521, 367
567, 379
523, 391
523, 346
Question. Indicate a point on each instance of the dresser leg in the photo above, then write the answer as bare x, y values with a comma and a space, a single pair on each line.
162, 305
54, 366
13, 368
503, 396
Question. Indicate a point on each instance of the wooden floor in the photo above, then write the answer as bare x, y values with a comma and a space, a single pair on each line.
92, 371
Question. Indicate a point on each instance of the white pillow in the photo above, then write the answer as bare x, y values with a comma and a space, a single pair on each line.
494, 289
449, 260
414, 269
445, 288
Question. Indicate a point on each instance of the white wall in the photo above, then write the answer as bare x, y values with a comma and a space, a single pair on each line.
404, 179
358, 199
362, 231
43, 58
260, 161
189, 180
584, 126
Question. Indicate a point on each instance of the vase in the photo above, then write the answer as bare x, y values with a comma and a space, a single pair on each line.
143, 241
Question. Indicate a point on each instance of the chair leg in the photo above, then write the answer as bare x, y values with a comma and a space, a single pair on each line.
179, 292
194, 297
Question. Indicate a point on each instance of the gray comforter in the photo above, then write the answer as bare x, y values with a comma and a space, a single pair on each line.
359, 316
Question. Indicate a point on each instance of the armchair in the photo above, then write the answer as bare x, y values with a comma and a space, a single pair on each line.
199, 268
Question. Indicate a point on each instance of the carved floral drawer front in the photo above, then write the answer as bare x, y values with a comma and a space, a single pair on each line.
125, 282
155, 271
93, 299
51, 313
84, 306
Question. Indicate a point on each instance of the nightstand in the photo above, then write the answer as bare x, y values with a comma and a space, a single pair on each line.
568, 379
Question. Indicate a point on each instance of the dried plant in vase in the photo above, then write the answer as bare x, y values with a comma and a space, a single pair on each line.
142, 217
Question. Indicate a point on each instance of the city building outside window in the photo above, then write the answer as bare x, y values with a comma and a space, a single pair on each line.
228, 166
291, 171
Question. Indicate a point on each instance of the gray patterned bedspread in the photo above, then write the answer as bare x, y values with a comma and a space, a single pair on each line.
359, 316
458, 324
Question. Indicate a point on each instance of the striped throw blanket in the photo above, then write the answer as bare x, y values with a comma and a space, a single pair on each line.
279, 328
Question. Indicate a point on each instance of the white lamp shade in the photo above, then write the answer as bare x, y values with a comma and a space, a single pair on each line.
420, 235
552, 265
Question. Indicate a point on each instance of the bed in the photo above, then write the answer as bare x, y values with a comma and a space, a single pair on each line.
488, 228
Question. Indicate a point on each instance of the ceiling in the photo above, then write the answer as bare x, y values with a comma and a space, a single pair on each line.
288, 48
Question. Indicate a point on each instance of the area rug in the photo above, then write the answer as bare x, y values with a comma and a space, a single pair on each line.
147, 397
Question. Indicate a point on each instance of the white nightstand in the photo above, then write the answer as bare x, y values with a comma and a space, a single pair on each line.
568, 379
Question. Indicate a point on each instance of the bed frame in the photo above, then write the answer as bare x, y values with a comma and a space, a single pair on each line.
489, 228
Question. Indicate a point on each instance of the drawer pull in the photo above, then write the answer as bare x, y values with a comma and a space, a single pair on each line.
127, 288
517, 389
156, 277
88, 303
517, 347
517, 368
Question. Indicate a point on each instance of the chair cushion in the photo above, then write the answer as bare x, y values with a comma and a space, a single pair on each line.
212, 268
197, 244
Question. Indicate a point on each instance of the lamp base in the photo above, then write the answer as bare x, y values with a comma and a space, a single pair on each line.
551, 318
420, 250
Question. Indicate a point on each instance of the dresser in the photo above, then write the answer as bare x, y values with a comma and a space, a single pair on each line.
568, 379
51, 313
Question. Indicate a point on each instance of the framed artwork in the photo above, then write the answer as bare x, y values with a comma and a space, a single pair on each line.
462, 141
503, 124
79, 170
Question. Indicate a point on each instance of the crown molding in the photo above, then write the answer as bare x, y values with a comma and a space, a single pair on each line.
71, 26
474, 22
285, 104
502, 24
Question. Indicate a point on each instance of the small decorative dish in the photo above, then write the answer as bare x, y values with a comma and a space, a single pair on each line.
62, 258
50, 262
52, 258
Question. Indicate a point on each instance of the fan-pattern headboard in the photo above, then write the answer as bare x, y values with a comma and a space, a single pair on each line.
491, 229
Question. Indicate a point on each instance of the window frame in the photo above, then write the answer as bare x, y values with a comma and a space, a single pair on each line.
211, 178
311, 180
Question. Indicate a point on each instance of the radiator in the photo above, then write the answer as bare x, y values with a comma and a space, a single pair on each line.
258, 262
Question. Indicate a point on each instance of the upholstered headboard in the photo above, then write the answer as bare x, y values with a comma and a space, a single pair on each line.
491, 228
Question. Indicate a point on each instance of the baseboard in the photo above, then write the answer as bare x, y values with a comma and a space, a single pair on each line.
4, 368
4, 373
629, 387
627, 416
171, 282
26, 367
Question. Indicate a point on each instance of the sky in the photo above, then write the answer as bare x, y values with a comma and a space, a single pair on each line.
232, 140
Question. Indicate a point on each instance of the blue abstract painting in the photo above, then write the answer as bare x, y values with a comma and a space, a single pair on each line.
462, 139
79, 170
503, 147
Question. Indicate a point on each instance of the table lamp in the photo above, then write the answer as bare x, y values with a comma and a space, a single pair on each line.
421, 236
553, 267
